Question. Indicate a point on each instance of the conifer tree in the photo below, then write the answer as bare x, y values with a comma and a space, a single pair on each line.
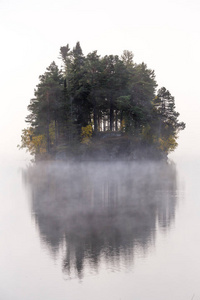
90, 91
45, 107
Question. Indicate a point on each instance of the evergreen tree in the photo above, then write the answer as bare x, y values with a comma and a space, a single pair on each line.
94, 71
165, 114
45, 107
79, 88
96, 93
114, 81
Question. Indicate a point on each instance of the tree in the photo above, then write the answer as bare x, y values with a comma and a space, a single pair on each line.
135, 104
95, 93
79, 88
45, 107
165, 125
94, 71
35, 145
114, 80
164, 105
142, 91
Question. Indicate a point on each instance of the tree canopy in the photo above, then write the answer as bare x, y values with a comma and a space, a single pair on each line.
93, 95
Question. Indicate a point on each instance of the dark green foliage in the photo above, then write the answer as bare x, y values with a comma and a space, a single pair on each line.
48, 104
165, 119
110, 93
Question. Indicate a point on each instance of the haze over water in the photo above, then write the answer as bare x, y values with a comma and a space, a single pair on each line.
99, 231
101, 211
135, 234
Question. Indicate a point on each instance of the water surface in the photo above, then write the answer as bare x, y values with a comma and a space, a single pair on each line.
99, 231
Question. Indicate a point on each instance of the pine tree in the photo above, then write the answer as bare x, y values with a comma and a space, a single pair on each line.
45, 107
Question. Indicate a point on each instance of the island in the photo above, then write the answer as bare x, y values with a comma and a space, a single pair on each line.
100, 108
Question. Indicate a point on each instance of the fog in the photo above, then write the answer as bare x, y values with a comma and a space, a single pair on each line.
100, 211
90, 215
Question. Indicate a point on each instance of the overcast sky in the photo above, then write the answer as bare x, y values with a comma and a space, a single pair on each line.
163, 34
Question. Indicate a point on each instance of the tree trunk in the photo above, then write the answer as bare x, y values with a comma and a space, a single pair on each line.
111, 114
121, 119
95, 116
116, 121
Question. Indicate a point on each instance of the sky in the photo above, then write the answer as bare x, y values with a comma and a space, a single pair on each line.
163, 34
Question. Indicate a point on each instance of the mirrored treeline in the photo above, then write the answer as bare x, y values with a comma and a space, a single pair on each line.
100, 210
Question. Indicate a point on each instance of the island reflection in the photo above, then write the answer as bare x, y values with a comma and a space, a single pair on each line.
95, 210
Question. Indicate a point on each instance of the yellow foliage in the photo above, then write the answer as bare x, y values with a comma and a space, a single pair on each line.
153, 100
52, 133
123, 126
146, 133
33, 144
167, 144
86, 134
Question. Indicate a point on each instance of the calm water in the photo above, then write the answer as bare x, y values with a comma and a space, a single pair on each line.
99, 231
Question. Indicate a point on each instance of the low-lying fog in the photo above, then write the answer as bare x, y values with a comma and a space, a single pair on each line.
95, 210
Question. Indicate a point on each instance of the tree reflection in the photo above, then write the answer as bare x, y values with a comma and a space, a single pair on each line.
100, 211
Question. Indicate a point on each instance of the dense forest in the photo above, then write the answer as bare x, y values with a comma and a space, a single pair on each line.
100, 107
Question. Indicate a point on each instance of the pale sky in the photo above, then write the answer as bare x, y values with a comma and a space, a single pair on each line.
163, 34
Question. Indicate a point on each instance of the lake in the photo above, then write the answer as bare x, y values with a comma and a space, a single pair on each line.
123, 230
